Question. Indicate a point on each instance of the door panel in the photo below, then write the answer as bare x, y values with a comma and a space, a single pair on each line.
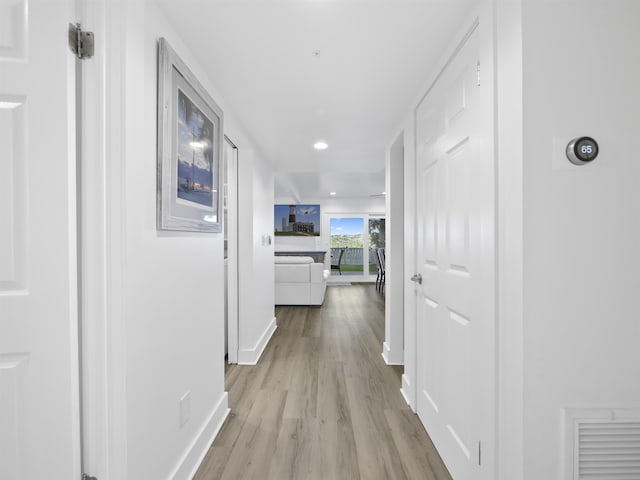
39, 406
455, 317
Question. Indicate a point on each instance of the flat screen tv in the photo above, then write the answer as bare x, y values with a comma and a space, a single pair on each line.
297, 220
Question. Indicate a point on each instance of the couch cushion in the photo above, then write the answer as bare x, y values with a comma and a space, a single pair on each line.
292, 259
292, 273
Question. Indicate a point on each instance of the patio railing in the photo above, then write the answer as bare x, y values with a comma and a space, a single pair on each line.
354, 257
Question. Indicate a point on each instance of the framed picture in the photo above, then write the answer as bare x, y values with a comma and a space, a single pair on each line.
189, 192
296, 220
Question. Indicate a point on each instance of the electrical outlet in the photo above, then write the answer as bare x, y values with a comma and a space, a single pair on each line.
185, 408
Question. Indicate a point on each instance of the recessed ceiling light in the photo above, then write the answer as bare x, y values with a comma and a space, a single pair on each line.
320, 145
332, 193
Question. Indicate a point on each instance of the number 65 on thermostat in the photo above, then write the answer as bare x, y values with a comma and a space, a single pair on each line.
582, 150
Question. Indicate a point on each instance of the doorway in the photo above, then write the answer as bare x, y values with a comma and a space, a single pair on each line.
230, 213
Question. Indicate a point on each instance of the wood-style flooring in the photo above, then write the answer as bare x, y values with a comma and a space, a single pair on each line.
321, 403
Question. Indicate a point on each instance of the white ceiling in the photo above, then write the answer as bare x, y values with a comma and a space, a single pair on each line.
375, 57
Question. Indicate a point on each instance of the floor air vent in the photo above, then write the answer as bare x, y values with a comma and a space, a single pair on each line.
605, 444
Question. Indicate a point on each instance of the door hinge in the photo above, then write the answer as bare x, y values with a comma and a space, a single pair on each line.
479, 454
87, 477
478, 66
81, 42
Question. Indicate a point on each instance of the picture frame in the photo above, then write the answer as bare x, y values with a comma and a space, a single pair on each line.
296, 220
190, 134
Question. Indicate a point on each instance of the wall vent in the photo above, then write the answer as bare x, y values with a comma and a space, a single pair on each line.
603, 444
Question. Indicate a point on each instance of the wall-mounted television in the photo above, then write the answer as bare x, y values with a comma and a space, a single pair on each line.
297, 220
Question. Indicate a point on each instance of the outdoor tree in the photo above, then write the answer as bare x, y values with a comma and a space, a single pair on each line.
376, 233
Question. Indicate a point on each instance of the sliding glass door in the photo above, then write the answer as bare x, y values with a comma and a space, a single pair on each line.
376, 242
347, 241
353, 242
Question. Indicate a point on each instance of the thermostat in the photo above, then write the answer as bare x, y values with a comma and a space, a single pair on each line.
582, 150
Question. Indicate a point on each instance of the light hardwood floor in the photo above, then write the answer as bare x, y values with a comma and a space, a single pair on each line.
322, 404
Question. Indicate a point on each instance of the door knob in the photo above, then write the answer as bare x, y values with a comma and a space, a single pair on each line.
417, 278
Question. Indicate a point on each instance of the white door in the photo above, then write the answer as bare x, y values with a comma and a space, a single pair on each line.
455, 221
39, 400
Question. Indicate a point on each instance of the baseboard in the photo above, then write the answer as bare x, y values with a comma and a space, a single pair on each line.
387, 355
251, 356
193, 457
406, 392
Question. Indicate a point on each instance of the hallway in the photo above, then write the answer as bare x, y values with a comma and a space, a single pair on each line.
321, 403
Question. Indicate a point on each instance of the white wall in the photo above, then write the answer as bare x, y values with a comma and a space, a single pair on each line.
567, 235
581, 224
170, 301
173, 287
255, 258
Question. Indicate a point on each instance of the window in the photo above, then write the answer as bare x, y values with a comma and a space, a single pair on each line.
376, 241
358, 236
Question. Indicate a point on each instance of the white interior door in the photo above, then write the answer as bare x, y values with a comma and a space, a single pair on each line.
455, 205
39, 400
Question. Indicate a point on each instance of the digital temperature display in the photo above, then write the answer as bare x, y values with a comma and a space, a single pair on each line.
582, 150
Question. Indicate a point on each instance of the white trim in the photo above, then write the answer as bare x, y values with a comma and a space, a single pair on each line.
73, 128
197, 450
410, 258
232, 253
118, 59
407, 392
389, 356
508, 96
252, 356
104, 340
394, 318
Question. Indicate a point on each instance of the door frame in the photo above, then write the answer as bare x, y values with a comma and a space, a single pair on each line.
232, 255
394, 318
103, 375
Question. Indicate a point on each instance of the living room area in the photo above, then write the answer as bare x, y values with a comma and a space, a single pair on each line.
320, 242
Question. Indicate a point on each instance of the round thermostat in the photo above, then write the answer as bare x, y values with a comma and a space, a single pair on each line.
582, 150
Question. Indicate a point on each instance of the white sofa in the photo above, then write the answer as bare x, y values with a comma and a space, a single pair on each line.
299, 281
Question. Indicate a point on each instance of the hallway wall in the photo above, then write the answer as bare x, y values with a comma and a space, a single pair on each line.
581, 224
173, 281
568, 235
